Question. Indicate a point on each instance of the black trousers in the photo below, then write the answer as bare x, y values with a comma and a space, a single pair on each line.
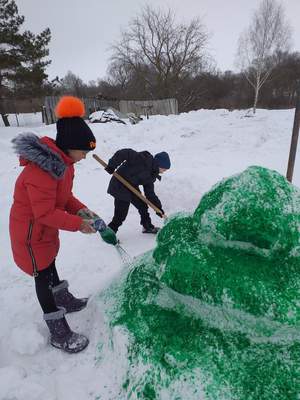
44, 282
121, 211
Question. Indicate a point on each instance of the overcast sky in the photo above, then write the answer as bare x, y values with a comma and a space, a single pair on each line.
83, 30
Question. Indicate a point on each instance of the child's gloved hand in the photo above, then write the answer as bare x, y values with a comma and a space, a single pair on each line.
109, 236
161, 215
87, 226
86, 213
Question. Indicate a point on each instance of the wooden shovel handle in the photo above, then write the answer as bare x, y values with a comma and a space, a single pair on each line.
130, 187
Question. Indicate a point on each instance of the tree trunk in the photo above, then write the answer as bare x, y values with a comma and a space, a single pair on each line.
5, 119
255, 99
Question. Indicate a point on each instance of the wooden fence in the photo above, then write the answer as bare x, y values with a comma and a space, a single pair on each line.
90, 104
17, 105
149, 107
48, 104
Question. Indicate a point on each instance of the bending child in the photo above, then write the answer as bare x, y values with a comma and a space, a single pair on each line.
139, 169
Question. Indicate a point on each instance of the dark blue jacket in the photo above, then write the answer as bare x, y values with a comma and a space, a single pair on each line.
138, 168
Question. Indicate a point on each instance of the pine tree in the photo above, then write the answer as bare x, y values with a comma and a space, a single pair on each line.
31, 73
22, 56
10, 42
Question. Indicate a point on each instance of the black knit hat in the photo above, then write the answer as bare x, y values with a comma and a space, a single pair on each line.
163, 160
72, 131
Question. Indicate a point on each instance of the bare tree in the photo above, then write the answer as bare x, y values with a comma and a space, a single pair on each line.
73, 84
153, 41
268, 33
119, 73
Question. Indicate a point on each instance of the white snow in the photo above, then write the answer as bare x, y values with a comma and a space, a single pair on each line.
108, 115
26, 339
204, 147
22, 120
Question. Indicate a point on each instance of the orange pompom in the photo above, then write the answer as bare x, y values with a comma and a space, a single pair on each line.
69, 106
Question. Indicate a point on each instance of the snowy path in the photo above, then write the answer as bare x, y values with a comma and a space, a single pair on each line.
204, 147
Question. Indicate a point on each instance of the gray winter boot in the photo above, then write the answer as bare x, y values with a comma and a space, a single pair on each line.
61, 335
63, 298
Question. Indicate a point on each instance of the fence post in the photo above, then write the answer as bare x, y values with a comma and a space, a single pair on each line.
5, 119
46, 116
3, 112
295, 135
51, 116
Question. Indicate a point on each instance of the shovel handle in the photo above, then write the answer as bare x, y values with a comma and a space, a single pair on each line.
130, 187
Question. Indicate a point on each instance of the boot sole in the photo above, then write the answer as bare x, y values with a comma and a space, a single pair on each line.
71, 351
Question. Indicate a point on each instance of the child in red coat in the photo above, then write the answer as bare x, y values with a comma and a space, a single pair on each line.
43, 204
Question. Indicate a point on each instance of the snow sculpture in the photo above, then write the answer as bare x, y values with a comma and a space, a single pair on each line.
214, 311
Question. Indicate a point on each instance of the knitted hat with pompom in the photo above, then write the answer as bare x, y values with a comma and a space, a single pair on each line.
72, 131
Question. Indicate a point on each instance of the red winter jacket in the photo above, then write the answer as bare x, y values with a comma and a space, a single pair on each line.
43, 202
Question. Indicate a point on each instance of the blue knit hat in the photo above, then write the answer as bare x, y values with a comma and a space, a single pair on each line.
163, 160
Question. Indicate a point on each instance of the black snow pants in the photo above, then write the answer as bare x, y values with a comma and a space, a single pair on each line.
121, 211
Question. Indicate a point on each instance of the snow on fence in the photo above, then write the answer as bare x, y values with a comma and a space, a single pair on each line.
149, 107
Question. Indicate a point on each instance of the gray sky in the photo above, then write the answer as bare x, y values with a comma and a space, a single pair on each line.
83, 30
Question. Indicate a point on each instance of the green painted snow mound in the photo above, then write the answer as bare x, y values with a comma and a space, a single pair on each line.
214, 311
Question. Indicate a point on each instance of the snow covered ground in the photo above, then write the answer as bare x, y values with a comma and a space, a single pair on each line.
24, 120
204, 147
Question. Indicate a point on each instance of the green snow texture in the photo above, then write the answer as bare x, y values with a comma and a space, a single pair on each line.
214, 311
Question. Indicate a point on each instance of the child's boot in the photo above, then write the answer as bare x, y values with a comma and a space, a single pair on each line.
63, 298
61, 336
150, 229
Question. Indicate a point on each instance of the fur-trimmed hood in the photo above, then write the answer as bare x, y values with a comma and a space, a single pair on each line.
41, 151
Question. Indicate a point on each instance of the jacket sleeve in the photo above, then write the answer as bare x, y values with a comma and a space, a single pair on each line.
150, 195
74, 205
121, 156
42, 192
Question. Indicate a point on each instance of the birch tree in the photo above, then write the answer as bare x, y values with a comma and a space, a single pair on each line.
268, 33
